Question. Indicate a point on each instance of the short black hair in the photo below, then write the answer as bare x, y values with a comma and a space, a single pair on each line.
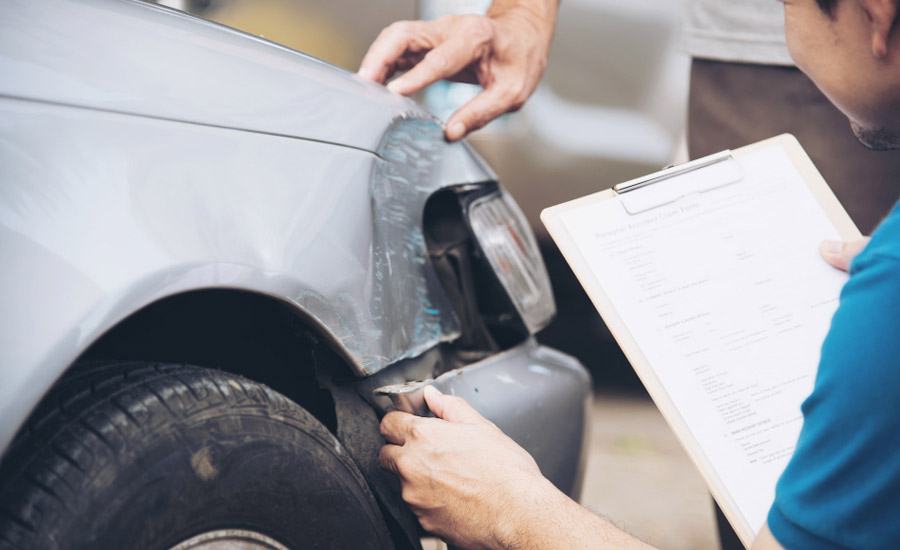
827, 6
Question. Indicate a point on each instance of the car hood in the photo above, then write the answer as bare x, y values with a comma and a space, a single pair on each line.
130, 56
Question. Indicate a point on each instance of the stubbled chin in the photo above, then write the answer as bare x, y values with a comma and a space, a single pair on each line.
879, 139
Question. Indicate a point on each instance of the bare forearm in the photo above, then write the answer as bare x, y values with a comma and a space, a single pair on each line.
556, 522
541, 14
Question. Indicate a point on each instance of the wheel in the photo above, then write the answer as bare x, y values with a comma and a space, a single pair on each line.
145, 456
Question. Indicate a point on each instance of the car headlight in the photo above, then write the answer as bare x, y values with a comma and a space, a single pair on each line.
508, 243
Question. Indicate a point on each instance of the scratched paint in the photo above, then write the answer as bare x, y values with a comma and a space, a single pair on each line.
407, 299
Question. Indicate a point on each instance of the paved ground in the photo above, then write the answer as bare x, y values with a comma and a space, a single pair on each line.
639, 477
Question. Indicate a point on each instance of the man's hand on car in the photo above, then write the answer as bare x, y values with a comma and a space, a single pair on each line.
504, 51
476, 488
839, 254
460, 474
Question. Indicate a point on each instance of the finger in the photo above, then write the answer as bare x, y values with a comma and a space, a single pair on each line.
387, 458
450, 407
481, 109
392, 43
395, 426
408, 61
840, 255
444, 61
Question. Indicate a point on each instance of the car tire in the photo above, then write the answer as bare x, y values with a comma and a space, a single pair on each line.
149, 456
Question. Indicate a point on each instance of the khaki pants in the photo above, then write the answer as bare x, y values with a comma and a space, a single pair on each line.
733, 104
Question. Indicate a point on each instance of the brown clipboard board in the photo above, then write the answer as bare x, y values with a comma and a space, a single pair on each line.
553, 219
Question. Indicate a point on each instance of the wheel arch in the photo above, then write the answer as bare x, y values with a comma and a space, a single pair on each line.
251, 334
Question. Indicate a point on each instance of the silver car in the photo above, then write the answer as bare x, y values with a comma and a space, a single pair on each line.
223, 261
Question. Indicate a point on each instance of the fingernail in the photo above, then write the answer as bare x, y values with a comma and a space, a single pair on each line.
456, 130
431, 391
393, 86
364, 73
832, 247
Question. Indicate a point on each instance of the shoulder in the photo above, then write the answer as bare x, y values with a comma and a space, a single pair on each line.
885, 243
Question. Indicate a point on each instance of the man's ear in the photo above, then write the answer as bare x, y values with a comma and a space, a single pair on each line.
882, 15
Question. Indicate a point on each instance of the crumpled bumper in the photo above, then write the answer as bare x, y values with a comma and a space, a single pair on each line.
537, 395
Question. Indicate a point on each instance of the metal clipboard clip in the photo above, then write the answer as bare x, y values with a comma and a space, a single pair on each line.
644, 193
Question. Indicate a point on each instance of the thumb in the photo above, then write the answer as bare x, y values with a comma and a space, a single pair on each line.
839, 254
450, 407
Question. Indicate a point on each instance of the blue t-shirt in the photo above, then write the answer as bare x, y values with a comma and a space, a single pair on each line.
841, 489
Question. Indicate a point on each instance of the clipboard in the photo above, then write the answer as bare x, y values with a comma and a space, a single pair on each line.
666, 190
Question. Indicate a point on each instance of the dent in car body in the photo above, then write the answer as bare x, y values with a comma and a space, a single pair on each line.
412, 157
407, 309
126, 180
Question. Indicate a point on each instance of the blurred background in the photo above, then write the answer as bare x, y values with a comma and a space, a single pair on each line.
611, 107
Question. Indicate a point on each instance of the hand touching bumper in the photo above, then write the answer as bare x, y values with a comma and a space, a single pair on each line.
465, 480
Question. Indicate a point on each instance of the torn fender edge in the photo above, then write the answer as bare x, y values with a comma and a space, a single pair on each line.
358, 432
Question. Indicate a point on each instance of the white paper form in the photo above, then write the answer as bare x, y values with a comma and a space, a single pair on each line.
727, 297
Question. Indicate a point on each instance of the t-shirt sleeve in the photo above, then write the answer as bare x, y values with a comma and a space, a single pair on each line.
841, 488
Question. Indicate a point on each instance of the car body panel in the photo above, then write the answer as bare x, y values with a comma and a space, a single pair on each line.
140, 58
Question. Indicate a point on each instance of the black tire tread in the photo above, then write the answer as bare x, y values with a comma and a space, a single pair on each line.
98, 411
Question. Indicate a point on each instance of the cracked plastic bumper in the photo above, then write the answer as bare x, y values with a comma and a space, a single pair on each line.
536, 395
